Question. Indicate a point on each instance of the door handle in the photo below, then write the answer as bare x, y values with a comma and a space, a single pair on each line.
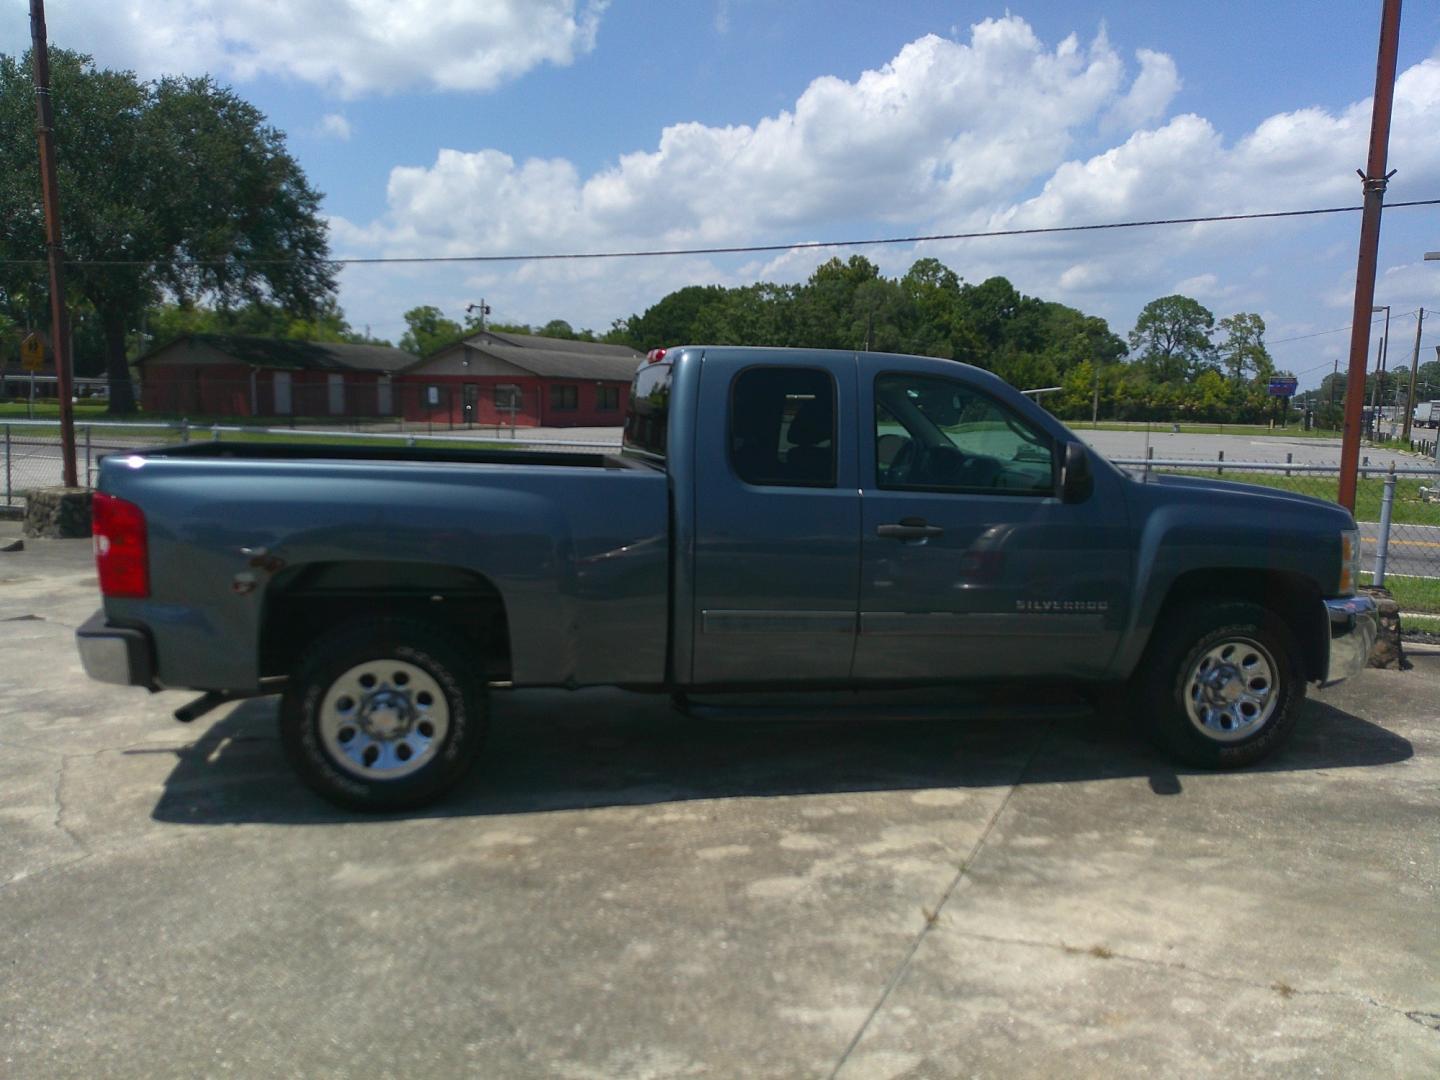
910, 528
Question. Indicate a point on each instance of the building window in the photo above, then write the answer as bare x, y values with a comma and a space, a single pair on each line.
507, 396
564, 398
607, 398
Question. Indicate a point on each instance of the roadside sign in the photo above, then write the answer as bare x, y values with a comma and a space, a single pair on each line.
32, 353
1283, 387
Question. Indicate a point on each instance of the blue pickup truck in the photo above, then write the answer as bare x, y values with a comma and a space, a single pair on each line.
777, 519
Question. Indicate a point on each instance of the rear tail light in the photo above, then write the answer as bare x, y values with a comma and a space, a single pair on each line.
654, 356
122, 554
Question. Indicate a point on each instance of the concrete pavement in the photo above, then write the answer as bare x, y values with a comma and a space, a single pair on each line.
619, 891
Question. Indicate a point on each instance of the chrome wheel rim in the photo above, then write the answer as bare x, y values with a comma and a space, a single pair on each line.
384, 719
1231, 691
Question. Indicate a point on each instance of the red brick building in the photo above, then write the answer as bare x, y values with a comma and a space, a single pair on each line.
532, 381
230, 375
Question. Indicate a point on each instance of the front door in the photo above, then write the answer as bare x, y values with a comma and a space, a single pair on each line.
972, 566
337, 395
282, 393
777, 523
470, 395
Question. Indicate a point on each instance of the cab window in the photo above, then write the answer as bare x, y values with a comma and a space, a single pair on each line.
937, 434
782, 427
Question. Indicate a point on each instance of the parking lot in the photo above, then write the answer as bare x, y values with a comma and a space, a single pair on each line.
622, 891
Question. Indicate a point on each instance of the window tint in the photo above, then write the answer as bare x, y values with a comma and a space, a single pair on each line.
937, 434
782, 427
607, 398
563, 397
507, 396
649, 410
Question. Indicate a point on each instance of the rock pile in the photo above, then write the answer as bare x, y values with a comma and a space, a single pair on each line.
1388, 651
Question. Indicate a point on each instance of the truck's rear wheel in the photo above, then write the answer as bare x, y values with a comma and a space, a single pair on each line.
382, 715
1221, 686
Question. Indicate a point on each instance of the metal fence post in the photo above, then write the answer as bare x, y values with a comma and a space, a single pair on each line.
1289, 457
1220, 468
7, 465
1149, 453
87, 456
1382, 545
185, 429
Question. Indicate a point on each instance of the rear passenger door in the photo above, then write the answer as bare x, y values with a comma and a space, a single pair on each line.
777, 520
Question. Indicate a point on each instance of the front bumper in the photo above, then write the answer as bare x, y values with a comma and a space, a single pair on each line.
116, 654
1354, 623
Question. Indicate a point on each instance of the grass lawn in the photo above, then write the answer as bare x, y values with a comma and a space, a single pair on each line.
50, 410
1293, 431
1413, 593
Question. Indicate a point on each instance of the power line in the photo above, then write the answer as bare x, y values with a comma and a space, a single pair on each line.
1337, 330
745, 249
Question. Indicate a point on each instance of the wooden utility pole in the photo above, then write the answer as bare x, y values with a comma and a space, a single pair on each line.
1414, 370
1373, 180
50, 195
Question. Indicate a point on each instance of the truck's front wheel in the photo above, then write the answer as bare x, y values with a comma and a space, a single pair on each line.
1221, 686
382, 715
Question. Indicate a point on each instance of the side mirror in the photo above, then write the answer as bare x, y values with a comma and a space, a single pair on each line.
1076, 483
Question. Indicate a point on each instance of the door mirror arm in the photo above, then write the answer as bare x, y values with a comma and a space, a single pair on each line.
1076, 481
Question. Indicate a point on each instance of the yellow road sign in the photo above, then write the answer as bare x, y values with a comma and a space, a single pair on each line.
32, 353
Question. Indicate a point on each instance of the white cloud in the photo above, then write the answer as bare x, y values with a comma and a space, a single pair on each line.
944, 128
1150, 95
948, 136
335, 126
1206, 287
350, 47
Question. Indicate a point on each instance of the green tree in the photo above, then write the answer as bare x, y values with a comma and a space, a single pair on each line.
670, 321
427, 329
1242, 353
327, 322
1172, 338
174, 187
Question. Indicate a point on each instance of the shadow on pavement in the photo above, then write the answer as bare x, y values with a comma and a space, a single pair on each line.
556, 751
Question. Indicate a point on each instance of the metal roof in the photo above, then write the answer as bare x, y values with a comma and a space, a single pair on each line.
263, 352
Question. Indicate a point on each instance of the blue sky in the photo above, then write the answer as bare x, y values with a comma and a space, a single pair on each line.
501, 126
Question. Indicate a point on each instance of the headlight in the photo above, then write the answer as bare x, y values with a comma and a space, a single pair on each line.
1349, 561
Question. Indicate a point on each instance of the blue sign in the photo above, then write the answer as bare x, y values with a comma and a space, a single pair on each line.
1283, 387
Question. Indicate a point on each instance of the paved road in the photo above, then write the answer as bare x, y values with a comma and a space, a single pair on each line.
1414, 549
1133, 444
621, 891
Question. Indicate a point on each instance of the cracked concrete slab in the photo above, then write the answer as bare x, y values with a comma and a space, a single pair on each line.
620, 891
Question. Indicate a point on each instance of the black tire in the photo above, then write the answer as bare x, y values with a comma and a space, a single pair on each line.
410, 768
1208, 734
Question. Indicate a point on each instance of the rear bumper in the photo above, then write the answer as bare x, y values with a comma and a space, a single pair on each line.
1354, 623
116, 654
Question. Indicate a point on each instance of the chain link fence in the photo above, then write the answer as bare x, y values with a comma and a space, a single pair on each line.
33, 455
1400, 532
